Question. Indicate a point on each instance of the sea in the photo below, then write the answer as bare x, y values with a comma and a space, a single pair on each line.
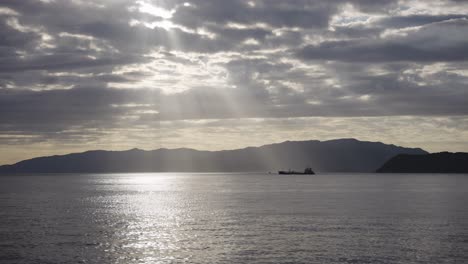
234, 218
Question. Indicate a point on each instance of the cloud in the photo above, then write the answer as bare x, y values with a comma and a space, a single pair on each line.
76, 69
416, 20
443, 41
273, 13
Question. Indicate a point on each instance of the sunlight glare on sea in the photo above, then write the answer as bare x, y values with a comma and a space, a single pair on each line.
233, 218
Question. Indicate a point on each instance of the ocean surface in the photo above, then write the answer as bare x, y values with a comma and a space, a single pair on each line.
234, 218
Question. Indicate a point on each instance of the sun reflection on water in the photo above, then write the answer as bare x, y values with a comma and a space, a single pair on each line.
223, 218
154, 211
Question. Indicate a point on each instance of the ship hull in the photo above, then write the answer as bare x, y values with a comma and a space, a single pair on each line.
294, 173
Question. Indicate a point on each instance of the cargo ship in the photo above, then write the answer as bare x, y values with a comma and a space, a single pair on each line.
306, 171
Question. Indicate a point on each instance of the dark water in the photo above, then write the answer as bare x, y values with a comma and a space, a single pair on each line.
234, 218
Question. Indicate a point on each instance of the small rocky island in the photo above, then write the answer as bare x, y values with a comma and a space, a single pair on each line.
443, 162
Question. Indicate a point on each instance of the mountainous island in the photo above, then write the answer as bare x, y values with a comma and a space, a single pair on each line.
443, 162
341, 155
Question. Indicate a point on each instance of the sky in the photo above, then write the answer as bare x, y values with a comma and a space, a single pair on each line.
77, 75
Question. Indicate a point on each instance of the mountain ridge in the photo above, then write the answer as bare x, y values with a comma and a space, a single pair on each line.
344, 155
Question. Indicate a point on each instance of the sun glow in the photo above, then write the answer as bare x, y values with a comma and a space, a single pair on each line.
148, 8
164, 16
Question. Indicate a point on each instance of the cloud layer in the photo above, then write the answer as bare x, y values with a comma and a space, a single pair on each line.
75, 70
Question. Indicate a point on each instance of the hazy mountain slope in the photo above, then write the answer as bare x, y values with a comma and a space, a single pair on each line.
343, 155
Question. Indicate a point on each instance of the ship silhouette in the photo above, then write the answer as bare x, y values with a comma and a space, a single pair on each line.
306, 171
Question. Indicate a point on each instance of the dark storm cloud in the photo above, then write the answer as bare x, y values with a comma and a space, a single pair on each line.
420, 45
89, 107
274, 13
69, 64
416, 20
395, 95
56, 110
12, 39
374, 6
355, 51
63, 62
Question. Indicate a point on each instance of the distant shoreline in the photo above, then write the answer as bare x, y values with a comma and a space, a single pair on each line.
344, 155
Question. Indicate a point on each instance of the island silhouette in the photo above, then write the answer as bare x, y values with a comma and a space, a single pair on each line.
443, 162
